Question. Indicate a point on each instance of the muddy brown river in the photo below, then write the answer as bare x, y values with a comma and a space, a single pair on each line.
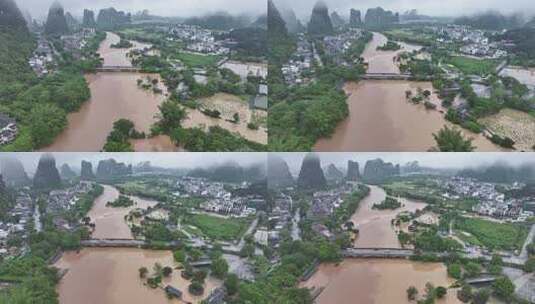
375, 228
114, 95
110, 275
109, 221
377, 281
381, 119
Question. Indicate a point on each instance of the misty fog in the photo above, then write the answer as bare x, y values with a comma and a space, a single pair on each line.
444, 8
425, 159
161, 159
168, 8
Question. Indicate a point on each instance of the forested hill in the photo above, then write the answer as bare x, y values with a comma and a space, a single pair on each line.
501, 173
490, 21
220, 21
16, 45
39, 105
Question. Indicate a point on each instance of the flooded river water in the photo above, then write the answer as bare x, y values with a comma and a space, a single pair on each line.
378, 281
375, 228
114, 95
109, 221
110, 275
380, 117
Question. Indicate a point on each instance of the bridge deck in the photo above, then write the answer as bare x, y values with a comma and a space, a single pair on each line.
377, 253
117, 69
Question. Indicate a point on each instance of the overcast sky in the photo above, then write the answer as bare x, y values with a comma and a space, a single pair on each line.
428, 7
167, 160
427, 159
172, 8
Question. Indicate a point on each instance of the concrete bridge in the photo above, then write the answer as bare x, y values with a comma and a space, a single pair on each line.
485, 279
201, 263
124, 243
383, 253
118, 69
390, 76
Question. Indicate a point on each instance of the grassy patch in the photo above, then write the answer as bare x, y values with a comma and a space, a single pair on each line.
218, 228
191, 202
493, 235
474, 66
196, 60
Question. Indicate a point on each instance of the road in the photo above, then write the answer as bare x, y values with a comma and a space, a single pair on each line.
316, 55
296, 231
523, 256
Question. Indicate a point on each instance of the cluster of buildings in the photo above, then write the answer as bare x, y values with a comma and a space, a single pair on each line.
491, 202
64, 199
220, 199
43, 57
199, 40
336, 46
236, 206
19, 216
298, 70
280, 218
475, 42
8, 129
197, 186
74, 43
325, 202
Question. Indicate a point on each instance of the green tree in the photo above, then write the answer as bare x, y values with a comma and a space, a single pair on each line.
412, 293
171, 115
196, 288
529, 266
503, 287
179, 256
452, 140
481, 296
46, 121
232, 283
143, 272
440, 292
166, 271
219, 267
465, 294
455, 271
472, 269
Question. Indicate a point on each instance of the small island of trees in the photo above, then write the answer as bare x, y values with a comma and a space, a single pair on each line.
121, 201
388, 203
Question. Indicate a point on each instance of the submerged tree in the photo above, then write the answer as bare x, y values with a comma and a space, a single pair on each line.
452, 140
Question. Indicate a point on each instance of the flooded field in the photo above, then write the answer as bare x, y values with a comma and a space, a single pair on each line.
523, 75
517, 125
114, 277
228, 104
244, 69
